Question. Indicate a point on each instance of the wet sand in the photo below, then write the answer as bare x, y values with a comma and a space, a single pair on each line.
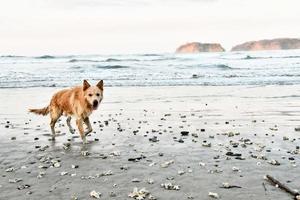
195, 138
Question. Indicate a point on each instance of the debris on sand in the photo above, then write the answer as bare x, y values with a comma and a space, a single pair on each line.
74, 166
95, 194
282, 186
184, 133
115, 153
41, 175
206, 144
66, 146
64, 173
15, 180
170, 186
56, 164
236, 169
230, 134
153, 139
85, 153
135, 180
233, 154
150, 181
215, 171
22, 187
213, 195
229, 186
274, 162
140, 194
124, 167
181, 172
136, 159
167, 163
11, 169
260, 157
106, 173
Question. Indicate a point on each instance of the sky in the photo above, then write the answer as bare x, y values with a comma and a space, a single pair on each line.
61, 27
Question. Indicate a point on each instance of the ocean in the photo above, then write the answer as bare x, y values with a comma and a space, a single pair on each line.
226, 68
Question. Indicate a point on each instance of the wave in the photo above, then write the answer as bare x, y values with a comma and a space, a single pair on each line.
224, 67
45, 57
248, 57
111, 66
11, 56
82, 60
150, 54
120, 60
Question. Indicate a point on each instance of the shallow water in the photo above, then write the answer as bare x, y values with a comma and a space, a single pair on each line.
228, 68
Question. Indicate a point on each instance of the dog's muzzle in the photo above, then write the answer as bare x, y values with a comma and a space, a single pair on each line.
95, 104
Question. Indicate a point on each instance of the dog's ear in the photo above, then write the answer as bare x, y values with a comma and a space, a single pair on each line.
100, 85
86, 85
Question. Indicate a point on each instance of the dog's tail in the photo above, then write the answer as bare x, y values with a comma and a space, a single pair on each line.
42, 111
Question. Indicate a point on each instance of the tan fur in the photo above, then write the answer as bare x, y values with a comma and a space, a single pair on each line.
78, 102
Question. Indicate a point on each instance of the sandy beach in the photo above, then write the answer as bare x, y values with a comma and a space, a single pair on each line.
177, 142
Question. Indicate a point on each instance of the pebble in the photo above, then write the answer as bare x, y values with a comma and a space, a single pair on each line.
184, 133
56, 165
213, 195
22, 187
233, 154
64, 173
170, 186
41, 175
135, 180
15, 180
105, 173
167, 163
181, 172
153, 139
139, 194
150, 181
11, 169
274, 162
235, 169
95, 194
85, 153
206, 144
74, 166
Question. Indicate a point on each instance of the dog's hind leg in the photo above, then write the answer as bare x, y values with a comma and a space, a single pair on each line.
55, 115
69, 124
79, 123
89, 126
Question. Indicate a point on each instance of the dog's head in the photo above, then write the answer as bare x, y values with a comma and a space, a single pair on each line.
93, 94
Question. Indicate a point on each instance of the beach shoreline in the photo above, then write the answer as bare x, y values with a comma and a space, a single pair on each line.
138, 130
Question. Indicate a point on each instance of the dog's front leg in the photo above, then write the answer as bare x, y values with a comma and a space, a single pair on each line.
79, 123
89, 126
69, 124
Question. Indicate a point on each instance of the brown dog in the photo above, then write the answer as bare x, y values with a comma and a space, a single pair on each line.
79, 101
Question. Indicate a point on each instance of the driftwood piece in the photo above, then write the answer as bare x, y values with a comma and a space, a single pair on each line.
282, 186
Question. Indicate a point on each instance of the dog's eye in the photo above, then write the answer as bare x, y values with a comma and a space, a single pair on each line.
90, 95
98, 94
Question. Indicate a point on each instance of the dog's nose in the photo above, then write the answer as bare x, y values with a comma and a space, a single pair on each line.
95, 103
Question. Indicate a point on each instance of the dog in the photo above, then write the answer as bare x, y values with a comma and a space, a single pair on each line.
79, 102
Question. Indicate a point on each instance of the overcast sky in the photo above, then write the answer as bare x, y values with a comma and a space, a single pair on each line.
36, 27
